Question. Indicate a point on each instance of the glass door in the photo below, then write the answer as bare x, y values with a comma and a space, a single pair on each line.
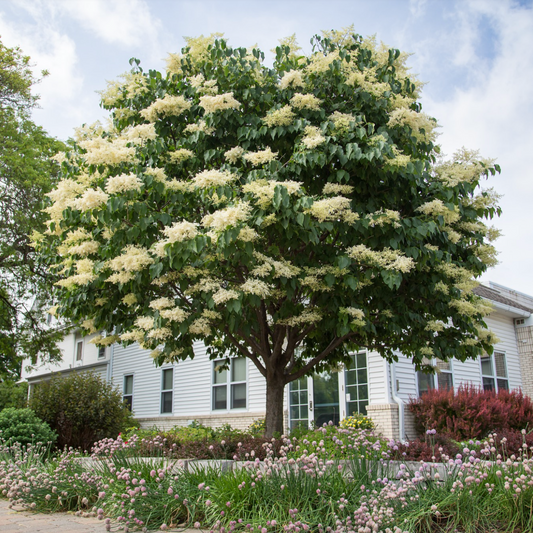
326, 398
299, 403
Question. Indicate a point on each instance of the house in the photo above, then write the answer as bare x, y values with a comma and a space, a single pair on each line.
202, 389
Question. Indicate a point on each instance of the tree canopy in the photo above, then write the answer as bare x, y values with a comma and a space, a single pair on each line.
26, 174
289, 214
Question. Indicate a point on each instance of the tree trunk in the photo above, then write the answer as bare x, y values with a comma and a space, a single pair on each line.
275, 386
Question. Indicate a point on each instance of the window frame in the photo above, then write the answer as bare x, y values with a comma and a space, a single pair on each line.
101, 352
434, 376
229, 385
78, 350
165, 392
128, 398
494, 376
356, 385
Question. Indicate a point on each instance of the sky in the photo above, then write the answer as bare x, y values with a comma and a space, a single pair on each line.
476, 57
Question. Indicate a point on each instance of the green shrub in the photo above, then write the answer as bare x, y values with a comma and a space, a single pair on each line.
13, 395
24, 426
82, 407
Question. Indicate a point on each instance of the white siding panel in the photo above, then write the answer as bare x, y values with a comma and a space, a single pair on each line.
503, 327
405, 384
377, 382
256, 390
467, 373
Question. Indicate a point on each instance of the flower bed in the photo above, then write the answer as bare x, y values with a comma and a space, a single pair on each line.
344, 480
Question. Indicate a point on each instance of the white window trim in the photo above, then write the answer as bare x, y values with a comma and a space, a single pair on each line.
162, 390
228, 385
77, 342
436, 381
493, 364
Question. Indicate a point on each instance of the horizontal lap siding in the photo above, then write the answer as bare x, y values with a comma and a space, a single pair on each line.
146, 378
192, 384
503, 327
377, 382
467, 373
256, 390
405, 374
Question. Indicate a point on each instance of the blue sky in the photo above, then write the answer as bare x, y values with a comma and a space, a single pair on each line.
475, 55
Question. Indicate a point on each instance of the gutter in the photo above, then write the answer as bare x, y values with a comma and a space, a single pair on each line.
110, 365
399, 401
519, 313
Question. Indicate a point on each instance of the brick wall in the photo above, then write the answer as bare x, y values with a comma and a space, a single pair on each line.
386, 418
524, 336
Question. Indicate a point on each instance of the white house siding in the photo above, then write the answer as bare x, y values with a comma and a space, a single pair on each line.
192, 393
377, 370
404, 379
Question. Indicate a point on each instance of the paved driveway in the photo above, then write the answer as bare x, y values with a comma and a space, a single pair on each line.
12, 521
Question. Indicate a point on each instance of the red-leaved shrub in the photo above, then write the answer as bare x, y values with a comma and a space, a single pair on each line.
471, 413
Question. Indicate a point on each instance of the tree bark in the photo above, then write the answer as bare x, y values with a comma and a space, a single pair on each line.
275, 385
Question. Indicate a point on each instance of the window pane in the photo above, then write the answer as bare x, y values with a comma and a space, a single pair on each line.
219, 397
361, 360
425, 382
499, 360
101, 352
238, 369
445, 380
443, 365
294, 397
351, 408
303, 396
220, 374
486, 366
362, 407
238, 396
361, 376
128, 400
363, 392
79, 351
503, 384
350, 377
168, 379
166, 402
295, 412
128, 384
304, 412
488, 383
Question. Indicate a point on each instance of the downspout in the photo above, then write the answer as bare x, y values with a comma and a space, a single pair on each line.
398, 400
110, 365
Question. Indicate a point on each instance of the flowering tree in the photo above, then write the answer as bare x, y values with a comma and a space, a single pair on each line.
290, 214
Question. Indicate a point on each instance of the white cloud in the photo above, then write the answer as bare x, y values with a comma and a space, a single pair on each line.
124, 22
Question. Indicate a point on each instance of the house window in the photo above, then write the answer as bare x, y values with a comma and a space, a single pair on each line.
79, 347
167, 387
441, 379
101, 352
299, 403
494, 372
356, 382
127, 395
229, 384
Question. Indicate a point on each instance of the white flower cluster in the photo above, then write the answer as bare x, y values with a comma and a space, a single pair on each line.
175, 314
230, 216
368, 81
141, 133
91, 199
280, 117
123, 183
204, 86
132, 259
384, 216
337, 188
200, 126
84, 275
213, 178
308, 316
234, 154
102, 151
166, 106
264, 190
306, 101
256, 287
335, 208
342, 121
358, 315
261, 157
157, 173
422, 126
313, 137
281, 268
293, 79
437, 208
220, 102
225, 295
387, 258
178, 156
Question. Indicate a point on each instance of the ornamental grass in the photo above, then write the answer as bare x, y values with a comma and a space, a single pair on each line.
331, 480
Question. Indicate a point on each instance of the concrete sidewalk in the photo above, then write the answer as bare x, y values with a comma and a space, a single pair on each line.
12, 521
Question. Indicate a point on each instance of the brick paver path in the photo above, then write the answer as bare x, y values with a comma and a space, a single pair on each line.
12, 521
